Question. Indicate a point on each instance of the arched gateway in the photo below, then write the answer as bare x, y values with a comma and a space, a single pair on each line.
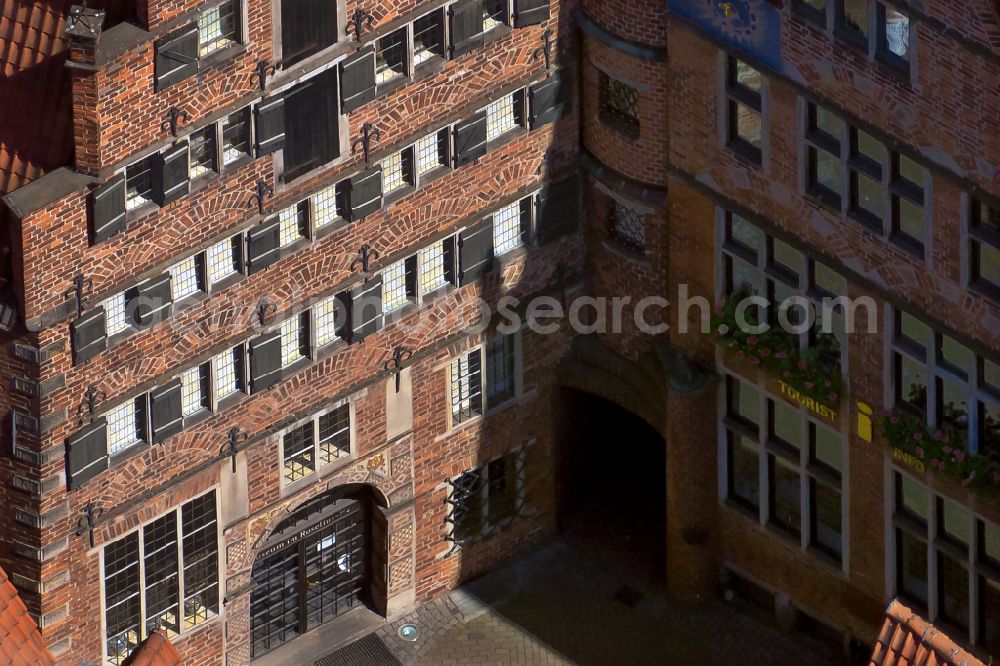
325, 559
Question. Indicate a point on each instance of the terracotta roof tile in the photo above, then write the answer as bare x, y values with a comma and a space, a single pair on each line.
36, 131
21, 642
156, 650
908, 640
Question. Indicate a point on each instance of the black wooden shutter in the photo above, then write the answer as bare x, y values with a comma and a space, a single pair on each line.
357, 79
86, 453
558, 209
89, 335
149, 303
270, 120
364, 310
364, 194
530, 12
107, 209
549, 99
263, 245
475, 251
450, 258
176, 57
466, 26
170, 174
307, 27
265, 361
165, 411
470, 139
312, 132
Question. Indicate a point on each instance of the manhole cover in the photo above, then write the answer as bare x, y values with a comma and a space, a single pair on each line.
628, 596
369, 651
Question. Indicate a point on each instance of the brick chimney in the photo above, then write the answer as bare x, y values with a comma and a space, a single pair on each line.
83, 27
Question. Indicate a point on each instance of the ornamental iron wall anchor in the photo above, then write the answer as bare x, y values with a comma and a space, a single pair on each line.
365, 256
545, 50
88, 521
262, 192
90, 399
263, 69
173, 116
79, 282
235, 437
261, 312
395, 364
359, 18
370, 132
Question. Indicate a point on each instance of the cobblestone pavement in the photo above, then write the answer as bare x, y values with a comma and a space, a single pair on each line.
559, 606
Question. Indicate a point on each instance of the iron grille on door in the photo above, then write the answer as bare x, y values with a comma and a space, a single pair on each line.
308, 580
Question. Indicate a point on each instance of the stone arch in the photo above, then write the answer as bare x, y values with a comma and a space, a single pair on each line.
641, 387
336, 540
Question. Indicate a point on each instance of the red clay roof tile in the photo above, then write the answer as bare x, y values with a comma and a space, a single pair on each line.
36, 131
21, 642
156, 650
908, 640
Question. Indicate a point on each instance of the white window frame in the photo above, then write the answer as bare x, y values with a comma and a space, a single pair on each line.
131, 411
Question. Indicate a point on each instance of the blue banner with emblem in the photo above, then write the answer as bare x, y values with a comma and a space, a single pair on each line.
753, 26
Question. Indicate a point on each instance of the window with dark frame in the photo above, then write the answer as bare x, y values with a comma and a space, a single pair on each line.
966, 577
797, 449
500, 368
893, 36
486, 499
219, 27
399, 284
196, 390
432, 152
852, 20
428, 37
984, 249
814, 10
495, 14
295, 339
127, 425
397, 171
619, 106
937, 377
139, 183
626, 226
317, 442
144, 571
823, 147
744, 95
907, 192
203, 151
236, 136
187, 277
466, 387
390, 57
307, 27
293, 223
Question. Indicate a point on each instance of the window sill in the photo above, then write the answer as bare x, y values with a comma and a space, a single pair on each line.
201, 415
237, 164
898, 66
429, 67
220, 57
746, 152
511, 256
391, 86
226, 282
809, 15
496, 33
507, 137
388, 200
985, 288
857, 41
292, 368
824, 197
429, 177
228, 401
132, 451
203, 181
868, 221
286, 74
907, 244
141, 212
624, 251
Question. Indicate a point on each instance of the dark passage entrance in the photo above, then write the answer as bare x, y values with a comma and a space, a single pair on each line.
612, 492
313, 568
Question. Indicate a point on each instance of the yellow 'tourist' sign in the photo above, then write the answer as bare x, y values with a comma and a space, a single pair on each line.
811, 404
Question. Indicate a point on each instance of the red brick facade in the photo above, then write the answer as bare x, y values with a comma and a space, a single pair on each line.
663, 161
